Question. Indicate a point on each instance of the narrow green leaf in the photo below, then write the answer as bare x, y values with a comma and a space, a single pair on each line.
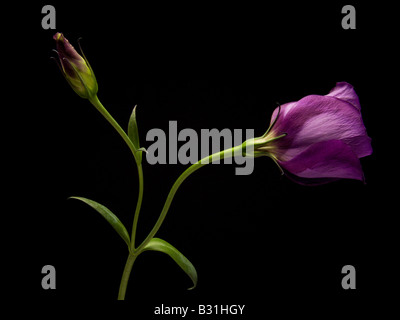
157, 244
133, 133
109, 216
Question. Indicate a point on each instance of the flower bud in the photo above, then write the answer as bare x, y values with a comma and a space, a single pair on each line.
75, 68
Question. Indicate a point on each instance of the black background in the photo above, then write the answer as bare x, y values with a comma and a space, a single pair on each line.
259, 240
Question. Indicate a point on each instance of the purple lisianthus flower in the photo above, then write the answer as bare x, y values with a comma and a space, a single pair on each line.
318, 138
75, 68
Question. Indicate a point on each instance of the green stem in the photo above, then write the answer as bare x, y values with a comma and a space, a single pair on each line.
96, 102
228, 153
125, 276
99, 106
132, 255
138, 206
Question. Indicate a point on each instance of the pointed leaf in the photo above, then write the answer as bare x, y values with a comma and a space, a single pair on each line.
133, 132
109, 216
157, 244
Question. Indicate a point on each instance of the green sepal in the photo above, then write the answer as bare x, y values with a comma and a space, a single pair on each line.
157, 244
109, 216
133, 134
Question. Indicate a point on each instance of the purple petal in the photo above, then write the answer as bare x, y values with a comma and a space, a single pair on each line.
325, 160
345, 92
65, 48
68, 53
285, 108
315, 119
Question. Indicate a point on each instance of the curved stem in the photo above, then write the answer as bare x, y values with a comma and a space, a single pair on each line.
132, 256
138, 206
228, 153
99, 106
96, 102
125, 276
